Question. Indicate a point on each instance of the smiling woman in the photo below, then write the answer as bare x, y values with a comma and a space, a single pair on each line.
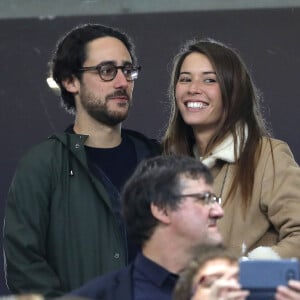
216, 117
198, 94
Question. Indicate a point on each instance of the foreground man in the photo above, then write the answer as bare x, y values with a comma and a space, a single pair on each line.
169, 209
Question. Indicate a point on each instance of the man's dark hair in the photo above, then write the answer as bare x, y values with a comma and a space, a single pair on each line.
70, 54
157, 181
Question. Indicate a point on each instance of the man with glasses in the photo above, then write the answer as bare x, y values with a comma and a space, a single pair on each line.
63, 224
169, 210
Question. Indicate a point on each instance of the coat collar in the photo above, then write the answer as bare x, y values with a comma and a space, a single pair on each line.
224, 151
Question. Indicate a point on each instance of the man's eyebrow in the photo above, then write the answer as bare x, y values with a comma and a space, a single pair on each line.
113, 62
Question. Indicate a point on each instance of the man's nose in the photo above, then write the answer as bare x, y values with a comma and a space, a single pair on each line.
216, 211
120, 80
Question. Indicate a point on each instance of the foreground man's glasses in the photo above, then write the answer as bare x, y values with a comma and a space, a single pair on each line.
206, 198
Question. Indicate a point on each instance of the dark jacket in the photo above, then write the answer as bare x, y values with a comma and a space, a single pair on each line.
60, 229
112, 286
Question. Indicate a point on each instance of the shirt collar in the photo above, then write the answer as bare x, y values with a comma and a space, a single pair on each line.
154, 272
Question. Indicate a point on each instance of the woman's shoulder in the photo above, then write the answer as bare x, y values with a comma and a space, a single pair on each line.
269, 143
276, 149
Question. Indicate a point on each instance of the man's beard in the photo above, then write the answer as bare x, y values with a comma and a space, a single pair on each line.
98, 109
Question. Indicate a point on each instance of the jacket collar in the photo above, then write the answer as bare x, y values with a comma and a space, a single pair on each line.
224, 151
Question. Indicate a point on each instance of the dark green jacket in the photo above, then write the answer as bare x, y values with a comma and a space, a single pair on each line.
60, 230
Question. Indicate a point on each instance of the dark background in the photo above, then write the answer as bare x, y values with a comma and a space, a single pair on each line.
268, 40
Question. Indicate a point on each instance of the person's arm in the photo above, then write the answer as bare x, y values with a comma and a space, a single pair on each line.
26, 228
281, 199
290, 292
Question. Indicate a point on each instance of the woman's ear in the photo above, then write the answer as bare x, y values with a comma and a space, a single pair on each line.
160, 213
71, 84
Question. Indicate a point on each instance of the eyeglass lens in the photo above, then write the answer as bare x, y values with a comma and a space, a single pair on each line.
211, 199
108, 72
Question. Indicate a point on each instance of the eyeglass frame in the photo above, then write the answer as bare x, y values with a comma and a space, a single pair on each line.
122, 68
206, 197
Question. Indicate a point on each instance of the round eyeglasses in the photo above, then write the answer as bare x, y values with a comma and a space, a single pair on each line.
206, 198
108, 71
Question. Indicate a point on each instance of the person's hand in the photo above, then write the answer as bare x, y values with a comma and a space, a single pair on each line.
228, 288
290, 292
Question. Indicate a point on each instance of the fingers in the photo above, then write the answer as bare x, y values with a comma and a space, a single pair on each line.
290, 292
235, 295
295, 285
284, 293
227, 289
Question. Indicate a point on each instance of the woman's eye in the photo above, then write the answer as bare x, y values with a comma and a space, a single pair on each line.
210, 80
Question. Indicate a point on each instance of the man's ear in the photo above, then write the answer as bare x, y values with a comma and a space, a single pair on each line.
71, 84
160, 213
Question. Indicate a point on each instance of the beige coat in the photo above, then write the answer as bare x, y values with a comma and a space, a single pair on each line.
273, 217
